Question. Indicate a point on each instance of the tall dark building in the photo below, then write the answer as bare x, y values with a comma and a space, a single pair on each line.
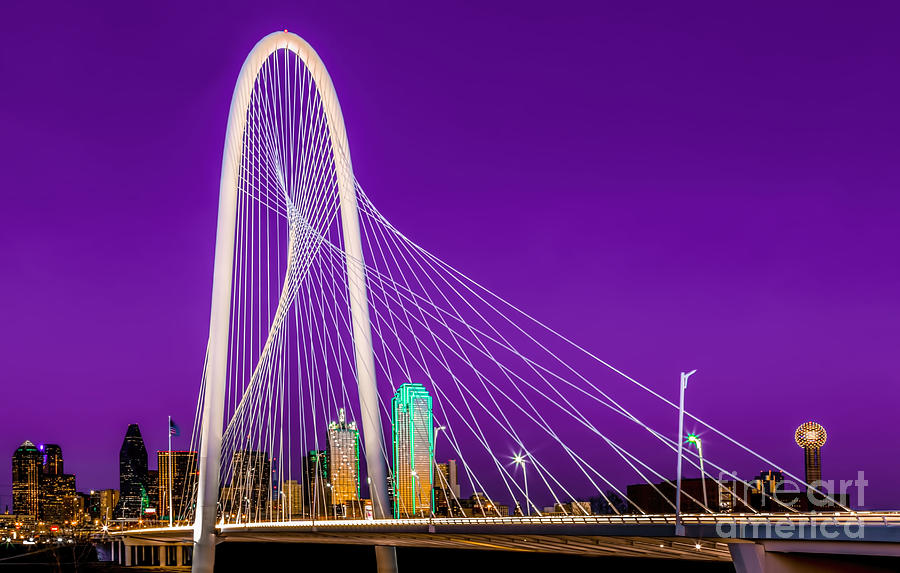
59, 499
153, 490
53, 460
26, 474
134, 479
316, 493
251, 484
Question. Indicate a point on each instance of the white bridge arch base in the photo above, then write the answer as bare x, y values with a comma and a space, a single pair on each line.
204, 530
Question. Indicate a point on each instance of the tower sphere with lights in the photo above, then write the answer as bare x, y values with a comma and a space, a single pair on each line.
811, 437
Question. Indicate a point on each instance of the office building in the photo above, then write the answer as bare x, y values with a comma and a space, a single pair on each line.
101, 504
251, 484
152, 503
446, 489
291, 500
182, 482
343, 457
53, 459
413, 448
480, 505
57, 488
27, 466
721, 495
59, 498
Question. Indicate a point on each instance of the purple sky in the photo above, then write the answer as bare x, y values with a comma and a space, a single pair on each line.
711, 187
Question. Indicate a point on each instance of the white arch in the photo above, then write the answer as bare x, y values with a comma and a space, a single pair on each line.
214, 388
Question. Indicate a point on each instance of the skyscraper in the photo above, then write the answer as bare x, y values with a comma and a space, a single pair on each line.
133, 475
53, 459
413, 444
26, 475
183, 481
811, 437
316, 493
58, 495
343, 453
251, 484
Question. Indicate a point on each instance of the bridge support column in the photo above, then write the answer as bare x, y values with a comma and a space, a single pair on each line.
386, 558
179, 555
128, 551
748, 557
769, 556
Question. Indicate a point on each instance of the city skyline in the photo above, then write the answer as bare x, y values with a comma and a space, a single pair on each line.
778, 274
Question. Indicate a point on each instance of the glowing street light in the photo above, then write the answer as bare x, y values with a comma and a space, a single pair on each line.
519, 460
695, 439
679, 527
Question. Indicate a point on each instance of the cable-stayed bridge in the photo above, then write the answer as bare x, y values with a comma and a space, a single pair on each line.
355, 383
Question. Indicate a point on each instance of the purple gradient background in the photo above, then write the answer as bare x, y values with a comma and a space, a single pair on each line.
704, 187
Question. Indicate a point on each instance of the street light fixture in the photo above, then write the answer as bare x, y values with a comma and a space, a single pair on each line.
679, 527
519, 460
695, 439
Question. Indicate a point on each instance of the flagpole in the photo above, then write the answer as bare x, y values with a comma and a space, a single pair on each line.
169, 430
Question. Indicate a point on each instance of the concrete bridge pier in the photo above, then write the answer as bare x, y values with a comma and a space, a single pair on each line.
142, 554
813, 557
748, 557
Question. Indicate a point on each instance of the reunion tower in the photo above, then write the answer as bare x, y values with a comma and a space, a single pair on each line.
811, 437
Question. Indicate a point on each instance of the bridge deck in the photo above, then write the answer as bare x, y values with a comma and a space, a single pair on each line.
707, 536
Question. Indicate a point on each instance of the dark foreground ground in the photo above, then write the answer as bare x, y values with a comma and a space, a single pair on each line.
260, 558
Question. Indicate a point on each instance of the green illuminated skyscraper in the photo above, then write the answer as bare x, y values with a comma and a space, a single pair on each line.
413, 440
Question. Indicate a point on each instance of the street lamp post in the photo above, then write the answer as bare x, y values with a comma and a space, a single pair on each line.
417, 499
331, 496
679, 526
519, 460
436, 470
695, 439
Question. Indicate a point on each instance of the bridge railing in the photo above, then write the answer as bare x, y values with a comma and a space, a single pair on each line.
884, 518
866, 518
